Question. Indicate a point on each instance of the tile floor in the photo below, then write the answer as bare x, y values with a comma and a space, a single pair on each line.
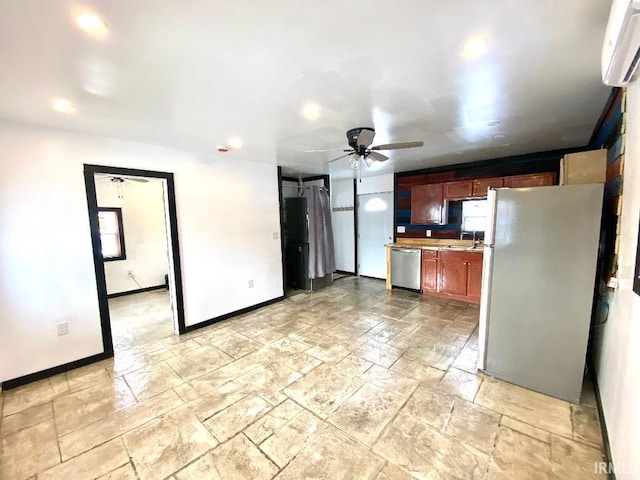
351, 382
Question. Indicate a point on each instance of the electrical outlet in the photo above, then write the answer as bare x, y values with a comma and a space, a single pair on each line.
63, 328
428, 233
130, 273
250, 283
401, 229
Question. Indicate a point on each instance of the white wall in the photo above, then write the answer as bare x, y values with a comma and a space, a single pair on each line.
145, 236
227, 213
617, 349
377, 184
343, 224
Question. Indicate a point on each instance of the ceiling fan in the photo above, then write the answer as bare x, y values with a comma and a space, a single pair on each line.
121, 178
360, 140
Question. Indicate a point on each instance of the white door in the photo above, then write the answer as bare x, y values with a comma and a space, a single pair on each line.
375, 229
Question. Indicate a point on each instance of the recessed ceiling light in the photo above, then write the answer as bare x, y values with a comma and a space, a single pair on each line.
499, 135
475, 46
63, 106
311, 111
235, 142
92, 24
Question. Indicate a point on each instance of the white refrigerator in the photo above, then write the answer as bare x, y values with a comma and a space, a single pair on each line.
540, 254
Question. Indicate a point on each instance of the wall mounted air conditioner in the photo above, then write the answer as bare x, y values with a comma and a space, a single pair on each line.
621, 49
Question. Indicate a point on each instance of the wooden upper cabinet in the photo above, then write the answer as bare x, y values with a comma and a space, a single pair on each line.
429, 271
458, 190
482, 185
427, 205
532, 180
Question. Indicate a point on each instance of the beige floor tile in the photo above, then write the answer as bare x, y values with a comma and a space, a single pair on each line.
440, 355
365, 414
424, 452
520, 456
26, 418
473, 426
218, 399
417, 370
463, 384
352, 365
92, 464
126, 472
272, 421
198, 361
268, 381
150, 381
530, 407
87, 377
430, 406
164, 446
118, 423
237, 417
379, 353
287, 441
574, 461
186, 392
33, 394
237, 459
391, 472
29, 451
82, 408
302, 363
525, 428
323, 390
586, 425
467, 360
212, 380
332, 456
236, 345
390, 381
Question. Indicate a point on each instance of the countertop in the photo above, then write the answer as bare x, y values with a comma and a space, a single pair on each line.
439, 244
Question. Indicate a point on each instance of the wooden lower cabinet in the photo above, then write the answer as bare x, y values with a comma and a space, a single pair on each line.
474, 279
453, 277
451, 274
429, 271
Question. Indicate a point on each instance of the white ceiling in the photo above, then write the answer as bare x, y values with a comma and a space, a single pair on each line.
191, 74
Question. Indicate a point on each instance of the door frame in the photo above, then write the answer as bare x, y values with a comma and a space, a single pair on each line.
98, 261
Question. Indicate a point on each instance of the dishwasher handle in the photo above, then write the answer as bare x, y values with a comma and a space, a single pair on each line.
405, 250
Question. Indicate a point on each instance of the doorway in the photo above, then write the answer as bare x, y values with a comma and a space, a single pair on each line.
375, 229
115, 278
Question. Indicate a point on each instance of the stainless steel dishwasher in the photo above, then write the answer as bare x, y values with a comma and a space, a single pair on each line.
405, 267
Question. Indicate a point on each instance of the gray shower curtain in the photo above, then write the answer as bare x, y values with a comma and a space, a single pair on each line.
322, 259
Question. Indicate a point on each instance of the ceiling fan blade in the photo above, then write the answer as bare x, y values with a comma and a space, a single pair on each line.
396, 146
134, 179
366, 137
341, 157
378, 157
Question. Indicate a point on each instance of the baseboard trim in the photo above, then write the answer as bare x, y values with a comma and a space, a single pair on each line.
344, 272
50, 372
226, 316
603, 423
139, 290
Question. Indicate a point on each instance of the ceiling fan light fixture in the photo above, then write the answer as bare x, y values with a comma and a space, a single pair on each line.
234, 142
475, 46
311, 111
92, 24
63, 105
354, 161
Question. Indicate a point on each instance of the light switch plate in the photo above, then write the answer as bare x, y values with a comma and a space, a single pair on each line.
401, 229
428, 233
276, 235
